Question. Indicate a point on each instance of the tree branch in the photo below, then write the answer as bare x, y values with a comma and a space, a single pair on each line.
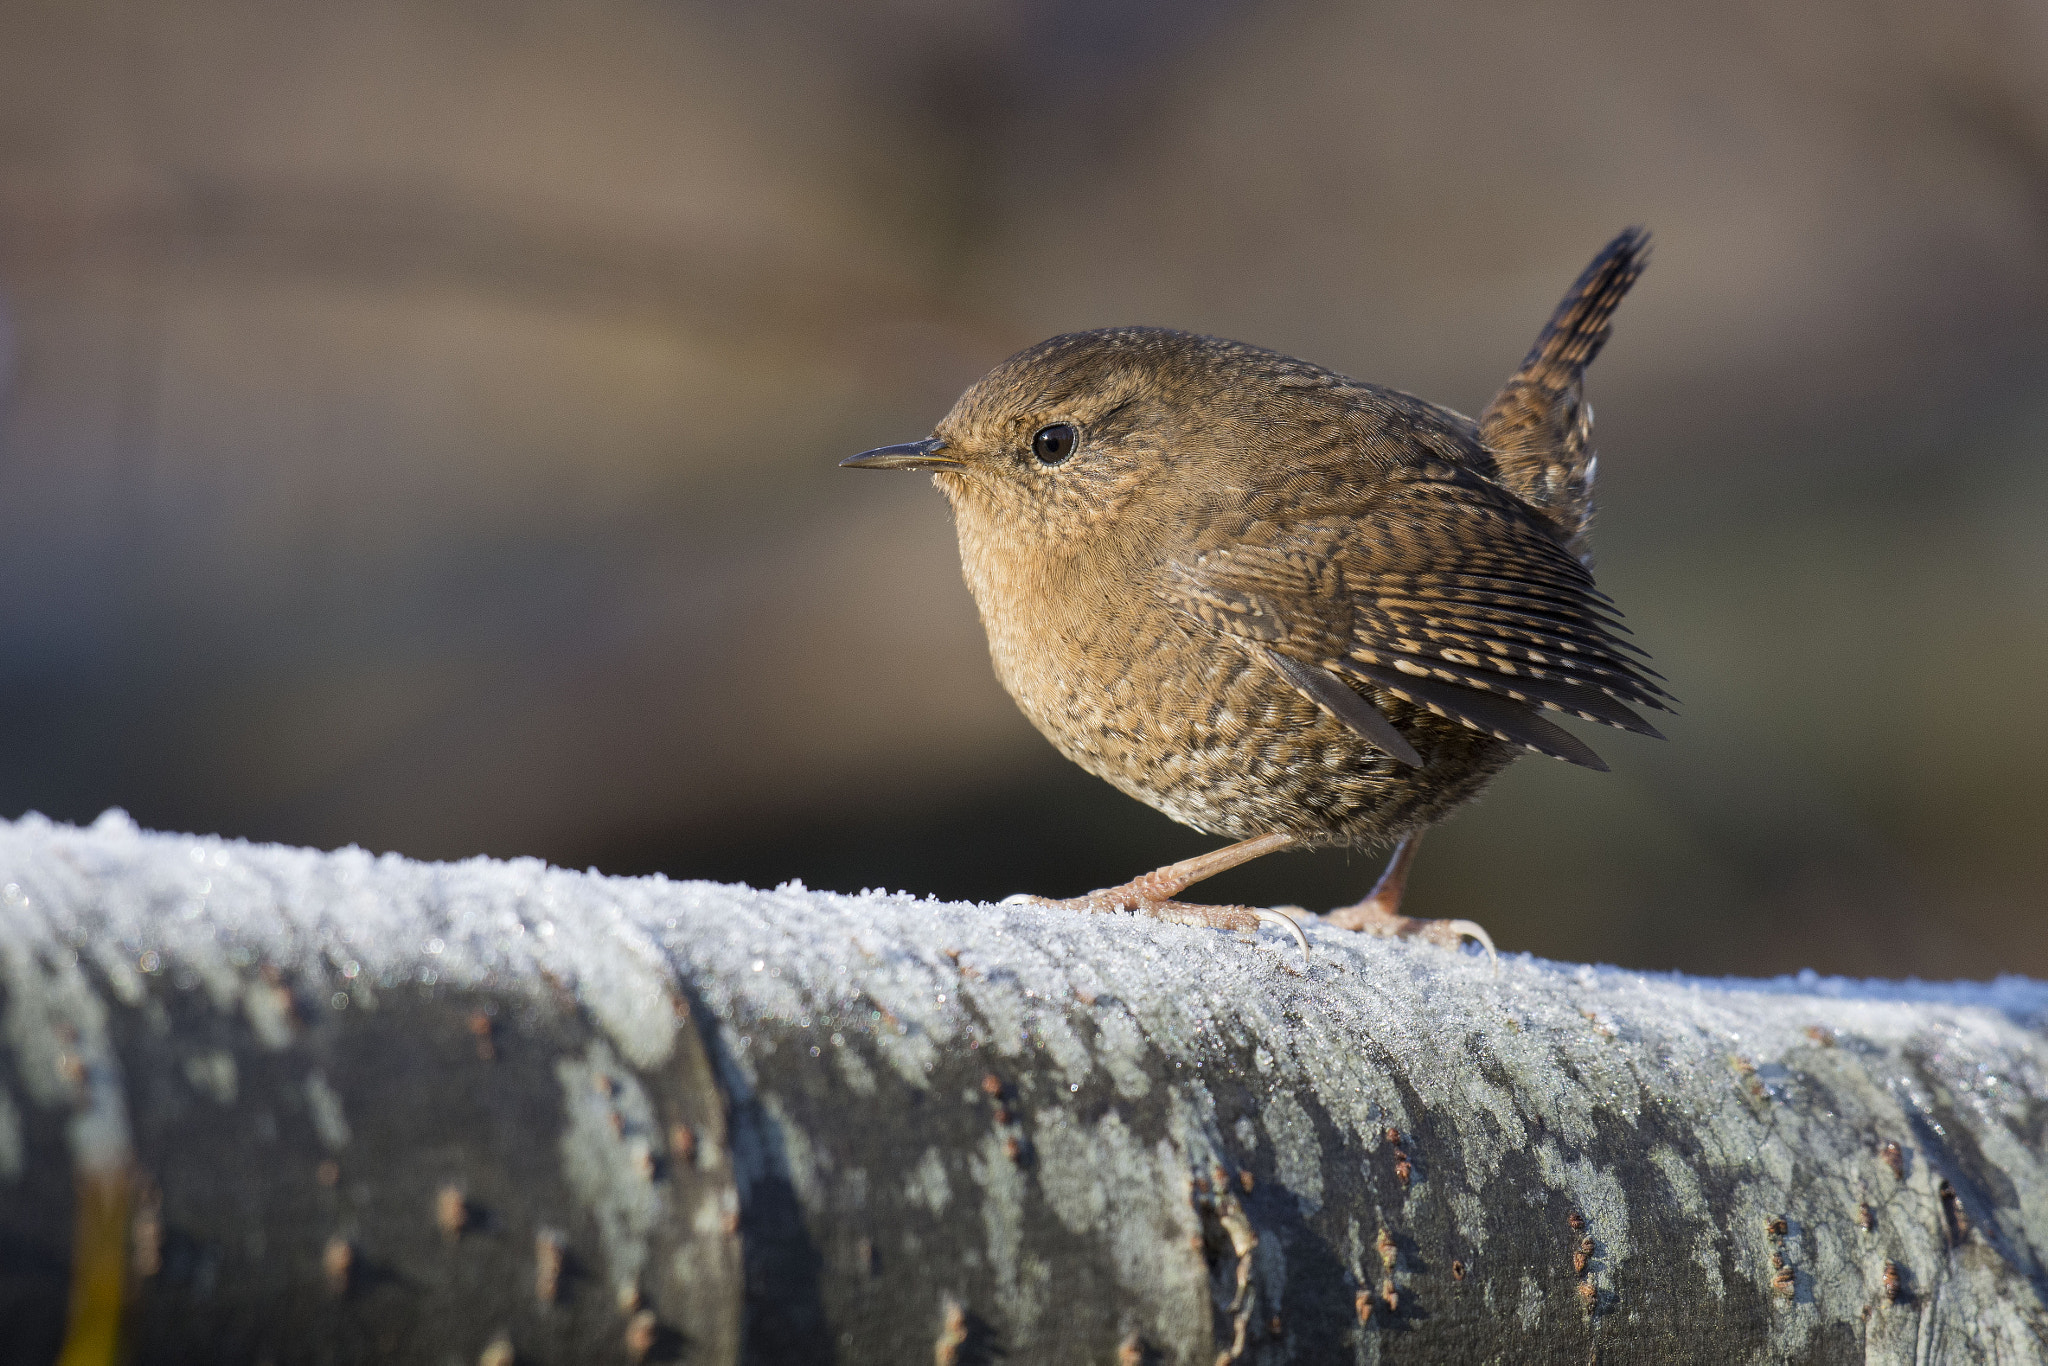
263, 1104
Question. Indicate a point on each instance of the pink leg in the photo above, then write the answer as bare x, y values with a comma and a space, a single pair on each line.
1153, 894
1380, 912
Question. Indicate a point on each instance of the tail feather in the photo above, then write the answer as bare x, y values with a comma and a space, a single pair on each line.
1539, 427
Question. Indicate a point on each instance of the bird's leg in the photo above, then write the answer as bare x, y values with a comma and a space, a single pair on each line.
1153, 894
1380, 912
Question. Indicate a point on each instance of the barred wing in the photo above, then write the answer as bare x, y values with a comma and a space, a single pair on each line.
1440, 588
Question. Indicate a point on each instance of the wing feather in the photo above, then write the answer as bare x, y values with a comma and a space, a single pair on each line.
1344, 702
1497, 716
1440, 588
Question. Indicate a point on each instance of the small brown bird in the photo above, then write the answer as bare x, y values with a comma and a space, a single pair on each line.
1282, 605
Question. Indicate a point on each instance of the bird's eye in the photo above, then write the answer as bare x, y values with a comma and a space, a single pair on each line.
1054, 444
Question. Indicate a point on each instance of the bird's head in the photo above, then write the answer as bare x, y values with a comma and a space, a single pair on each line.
1092, 429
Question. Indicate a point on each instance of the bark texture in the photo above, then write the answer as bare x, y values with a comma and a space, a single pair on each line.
268, 1105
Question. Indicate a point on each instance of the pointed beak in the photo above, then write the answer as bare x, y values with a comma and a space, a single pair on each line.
912, 455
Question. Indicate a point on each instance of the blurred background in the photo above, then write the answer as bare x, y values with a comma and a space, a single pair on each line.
418, 424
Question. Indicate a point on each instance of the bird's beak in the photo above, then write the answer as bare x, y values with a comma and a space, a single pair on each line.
912, 455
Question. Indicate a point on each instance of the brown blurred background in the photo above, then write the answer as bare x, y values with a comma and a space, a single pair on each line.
419, 420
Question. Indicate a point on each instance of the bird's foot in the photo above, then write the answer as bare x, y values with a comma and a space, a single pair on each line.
1133, 898
1368, 918
1380, 912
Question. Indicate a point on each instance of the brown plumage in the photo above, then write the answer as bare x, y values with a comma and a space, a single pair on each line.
1282, 605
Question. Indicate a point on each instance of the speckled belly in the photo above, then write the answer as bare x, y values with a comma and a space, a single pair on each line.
1215, 739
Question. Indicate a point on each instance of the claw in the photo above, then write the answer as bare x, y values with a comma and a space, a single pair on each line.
1472, 929
1281, 918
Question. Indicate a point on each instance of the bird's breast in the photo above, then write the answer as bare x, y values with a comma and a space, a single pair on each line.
1125, 687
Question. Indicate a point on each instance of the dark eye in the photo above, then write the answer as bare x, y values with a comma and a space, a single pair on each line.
1054, 444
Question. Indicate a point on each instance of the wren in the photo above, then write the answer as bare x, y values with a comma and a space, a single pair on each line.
1284, 606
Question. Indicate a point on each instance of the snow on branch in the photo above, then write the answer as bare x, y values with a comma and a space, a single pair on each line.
266, 1104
